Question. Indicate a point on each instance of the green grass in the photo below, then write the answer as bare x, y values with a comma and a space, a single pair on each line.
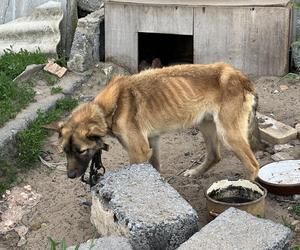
296, 209
63, 245
14, 63
56, 90
29, 143
14, 97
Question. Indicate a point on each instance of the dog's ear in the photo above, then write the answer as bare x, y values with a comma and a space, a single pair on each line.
96, 132
55, 126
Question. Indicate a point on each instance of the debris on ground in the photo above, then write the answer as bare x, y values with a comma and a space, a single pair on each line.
15, 204
55, 69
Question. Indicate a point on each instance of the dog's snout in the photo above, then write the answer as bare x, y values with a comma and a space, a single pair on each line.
72, 174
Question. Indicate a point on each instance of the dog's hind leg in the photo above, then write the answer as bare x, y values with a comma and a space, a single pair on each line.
154, 159
208, 130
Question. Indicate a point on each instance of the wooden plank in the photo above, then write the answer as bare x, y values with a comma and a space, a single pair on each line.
121, 35
255, 40
207, 2
165, 19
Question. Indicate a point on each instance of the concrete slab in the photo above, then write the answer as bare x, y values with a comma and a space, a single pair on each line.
136, 202
235, 229
105, 243
273, 131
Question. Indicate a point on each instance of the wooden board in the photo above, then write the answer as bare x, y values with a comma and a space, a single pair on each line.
123, 22
255, 40
207, 2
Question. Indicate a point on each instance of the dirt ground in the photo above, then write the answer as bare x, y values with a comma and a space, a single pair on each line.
62, 212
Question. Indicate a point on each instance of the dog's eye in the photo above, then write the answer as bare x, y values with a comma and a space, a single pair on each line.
94, 137
81, 151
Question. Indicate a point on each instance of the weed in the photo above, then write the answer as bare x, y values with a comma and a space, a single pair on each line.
14, 63
297, 247
56, 90
29, 143
287, 224
63, 245
49, 78
296, 209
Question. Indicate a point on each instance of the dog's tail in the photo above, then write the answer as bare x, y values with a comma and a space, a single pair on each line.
253, 130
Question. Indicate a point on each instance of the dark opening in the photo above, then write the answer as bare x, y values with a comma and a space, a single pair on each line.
170, 49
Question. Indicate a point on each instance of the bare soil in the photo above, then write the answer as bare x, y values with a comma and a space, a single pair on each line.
62, 212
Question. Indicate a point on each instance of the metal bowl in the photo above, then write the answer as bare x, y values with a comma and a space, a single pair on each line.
282, 177
242, 194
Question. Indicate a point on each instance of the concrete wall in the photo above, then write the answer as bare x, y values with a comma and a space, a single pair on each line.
12, 9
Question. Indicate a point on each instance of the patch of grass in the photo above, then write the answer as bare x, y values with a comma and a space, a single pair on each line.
63, 245
49, 78
13, 98
56, 90
297, 247
296, 209
29, 143
7, 175
14, 63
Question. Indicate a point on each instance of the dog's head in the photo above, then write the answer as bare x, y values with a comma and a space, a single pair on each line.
81, 137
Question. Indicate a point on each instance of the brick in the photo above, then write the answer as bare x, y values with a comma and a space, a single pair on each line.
135, 201
235, 229
275, 132
107, 243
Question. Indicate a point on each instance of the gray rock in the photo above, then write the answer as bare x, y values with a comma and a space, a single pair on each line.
85, 51
281, 156
29, 71
105, 243
235, 229
282, 147
89, 5
136, 202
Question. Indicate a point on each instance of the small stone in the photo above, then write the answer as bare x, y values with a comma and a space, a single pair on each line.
296, 197
283, 87
28, 188
7, 192
282, 147
22, 242
275, 91
35, 226
281, 156
295, 222
259, 154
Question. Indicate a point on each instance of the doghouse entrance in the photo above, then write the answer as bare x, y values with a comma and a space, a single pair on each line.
170, 49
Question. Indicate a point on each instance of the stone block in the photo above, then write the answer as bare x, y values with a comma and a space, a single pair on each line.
275, 132
85, 51
105, 243
235, 229
136, 202
90, 5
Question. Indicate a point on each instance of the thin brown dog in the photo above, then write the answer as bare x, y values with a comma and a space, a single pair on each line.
137, 109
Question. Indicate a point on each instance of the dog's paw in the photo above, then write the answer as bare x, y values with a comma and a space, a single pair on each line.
191, 173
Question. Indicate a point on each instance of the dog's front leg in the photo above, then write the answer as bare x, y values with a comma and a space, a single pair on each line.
137, 147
